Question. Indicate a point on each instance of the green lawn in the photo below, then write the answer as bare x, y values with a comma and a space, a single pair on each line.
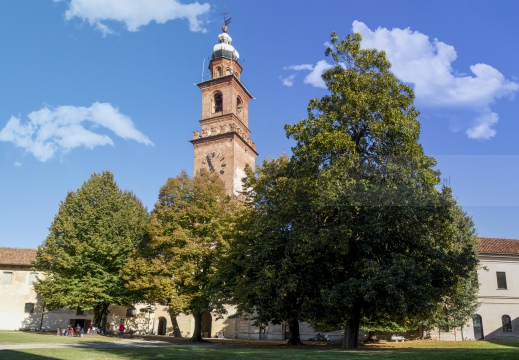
182, 350
256, 353
25, 337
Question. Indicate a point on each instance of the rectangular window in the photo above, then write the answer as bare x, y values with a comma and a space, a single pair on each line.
501, 280
29, 308
79, 311
444, 328
32, 278
130, 312
7, 278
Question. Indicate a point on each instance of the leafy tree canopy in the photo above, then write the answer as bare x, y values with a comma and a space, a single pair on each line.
459, 303
361, 198
189, 230
273, 275
392, 246
94, 233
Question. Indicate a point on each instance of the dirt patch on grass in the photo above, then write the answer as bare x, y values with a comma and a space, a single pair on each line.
242, 342
314, 345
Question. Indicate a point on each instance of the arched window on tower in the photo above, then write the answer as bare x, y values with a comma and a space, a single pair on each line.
239, 107
217, 102
228, 71
218, 72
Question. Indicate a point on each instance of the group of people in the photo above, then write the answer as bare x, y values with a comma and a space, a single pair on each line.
92, 330
71, 331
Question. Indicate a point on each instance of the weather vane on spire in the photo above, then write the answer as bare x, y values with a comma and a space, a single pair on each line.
225, 20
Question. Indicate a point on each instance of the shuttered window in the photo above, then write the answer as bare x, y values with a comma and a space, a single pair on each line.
7, 278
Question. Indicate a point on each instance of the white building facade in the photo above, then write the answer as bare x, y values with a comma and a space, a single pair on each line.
498, 313
497, 317
22, 309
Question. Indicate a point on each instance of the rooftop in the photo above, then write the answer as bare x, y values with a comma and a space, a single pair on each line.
17, 256
498, 246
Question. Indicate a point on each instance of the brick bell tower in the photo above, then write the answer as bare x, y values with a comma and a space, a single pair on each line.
224, 145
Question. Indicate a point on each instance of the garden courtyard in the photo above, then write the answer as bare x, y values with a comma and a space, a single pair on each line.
41, 346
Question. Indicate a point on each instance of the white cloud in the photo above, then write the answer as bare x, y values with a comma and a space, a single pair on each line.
308, 67
67, 127
136, 13
104, 29
288, 81
427, 64
17, 164
315, 78
482, 129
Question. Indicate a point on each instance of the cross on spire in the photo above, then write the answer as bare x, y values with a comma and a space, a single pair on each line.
225, 20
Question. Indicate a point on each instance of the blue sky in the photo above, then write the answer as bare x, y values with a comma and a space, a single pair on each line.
93, 85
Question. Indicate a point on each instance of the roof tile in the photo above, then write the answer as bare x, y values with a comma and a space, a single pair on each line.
17, 256
498, 246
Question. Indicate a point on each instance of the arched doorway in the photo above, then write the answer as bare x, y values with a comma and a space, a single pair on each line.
162, 326
477, 322
205, 327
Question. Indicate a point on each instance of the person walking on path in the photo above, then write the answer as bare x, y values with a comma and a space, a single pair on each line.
121, 330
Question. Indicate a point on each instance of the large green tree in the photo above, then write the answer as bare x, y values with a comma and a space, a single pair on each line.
273, 275
460, 302
386, 236
189, 231
352, 227
93, 235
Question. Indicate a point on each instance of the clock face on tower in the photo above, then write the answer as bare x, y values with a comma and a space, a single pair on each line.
214, 162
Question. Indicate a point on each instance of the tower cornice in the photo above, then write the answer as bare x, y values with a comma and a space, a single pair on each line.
222, 79
227, 135
218, 119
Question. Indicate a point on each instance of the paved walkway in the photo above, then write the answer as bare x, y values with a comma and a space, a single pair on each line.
124, 343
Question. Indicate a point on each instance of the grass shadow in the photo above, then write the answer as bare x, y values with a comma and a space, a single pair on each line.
507, 343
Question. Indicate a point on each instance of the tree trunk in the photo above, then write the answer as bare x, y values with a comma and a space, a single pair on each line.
293, 328
100, 313
372, 337
197, 333
104, 321
176, 328
42, 313
351, 330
